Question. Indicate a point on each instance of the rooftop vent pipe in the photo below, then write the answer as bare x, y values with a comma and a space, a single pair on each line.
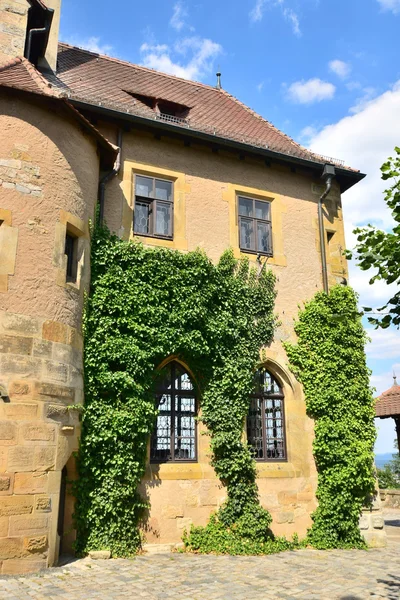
218, 86
327, 176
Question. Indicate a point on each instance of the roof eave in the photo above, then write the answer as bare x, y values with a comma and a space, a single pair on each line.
346, 178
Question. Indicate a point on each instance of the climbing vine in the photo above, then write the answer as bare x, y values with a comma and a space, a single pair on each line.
329, 360
144, 306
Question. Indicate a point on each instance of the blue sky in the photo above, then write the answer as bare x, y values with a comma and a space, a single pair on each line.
327, 73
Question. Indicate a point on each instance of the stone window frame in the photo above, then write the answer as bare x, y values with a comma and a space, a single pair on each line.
153, 203
8, 248
265, 396
72, 225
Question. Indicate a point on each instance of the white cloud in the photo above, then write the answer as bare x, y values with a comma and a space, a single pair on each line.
198, 52
385, 344
260, 86
92, 44
392, 5
307, 133
340, 68
368, 94
178, 17
257, 12
313, 90
365, 140
292, 17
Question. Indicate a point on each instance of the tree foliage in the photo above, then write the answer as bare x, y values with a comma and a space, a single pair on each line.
146, 305
380, 250
329, 360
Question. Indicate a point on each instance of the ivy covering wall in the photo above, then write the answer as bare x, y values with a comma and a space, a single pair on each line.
144, 306
329, 360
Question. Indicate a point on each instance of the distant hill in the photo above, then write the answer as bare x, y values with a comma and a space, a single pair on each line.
382, 459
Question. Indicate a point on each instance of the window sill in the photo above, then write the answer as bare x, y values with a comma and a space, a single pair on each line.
256, 252
266, 470
154, 237
174, 471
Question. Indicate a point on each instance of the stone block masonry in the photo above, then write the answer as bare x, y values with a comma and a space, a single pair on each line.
41, 375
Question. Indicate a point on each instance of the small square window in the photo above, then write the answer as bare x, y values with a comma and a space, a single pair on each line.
255, 233
153, 207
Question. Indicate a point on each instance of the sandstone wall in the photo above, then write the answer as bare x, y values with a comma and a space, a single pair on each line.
205, 215
13, 22
48, 185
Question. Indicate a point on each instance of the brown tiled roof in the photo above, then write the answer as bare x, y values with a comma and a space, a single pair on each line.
113, 83
388, 403
19, 73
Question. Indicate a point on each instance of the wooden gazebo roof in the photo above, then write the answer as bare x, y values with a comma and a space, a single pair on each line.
388, 403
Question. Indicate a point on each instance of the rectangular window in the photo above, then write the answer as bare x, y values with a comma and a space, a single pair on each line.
71, 251
153, 207
255, 234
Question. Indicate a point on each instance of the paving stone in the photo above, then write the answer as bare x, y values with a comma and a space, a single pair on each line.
299, 575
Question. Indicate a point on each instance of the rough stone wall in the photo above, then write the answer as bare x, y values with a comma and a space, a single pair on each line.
13, 21
49, 173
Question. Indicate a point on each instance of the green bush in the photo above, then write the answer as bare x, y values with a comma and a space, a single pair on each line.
329, 360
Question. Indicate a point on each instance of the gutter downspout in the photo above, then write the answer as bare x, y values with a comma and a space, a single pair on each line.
31, 32
108, 176
328, 175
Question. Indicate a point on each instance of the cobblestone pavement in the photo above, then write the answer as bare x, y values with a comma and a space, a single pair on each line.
305, 575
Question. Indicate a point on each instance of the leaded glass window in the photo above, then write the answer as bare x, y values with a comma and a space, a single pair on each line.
266, 419
174, 437
255, 234
153, 207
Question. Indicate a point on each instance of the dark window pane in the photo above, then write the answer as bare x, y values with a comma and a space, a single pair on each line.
144, 186
71, 252
265, 421
142, 217
247, 234
245, 207
263, 237
163, 190
163, 219
174, 436
262, 210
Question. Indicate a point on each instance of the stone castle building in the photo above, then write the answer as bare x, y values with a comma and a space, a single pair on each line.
175, 163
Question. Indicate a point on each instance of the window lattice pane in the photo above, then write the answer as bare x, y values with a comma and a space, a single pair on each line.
174, 437
163, 218
144, 186
263, 237
163, 190
262, 210
265, 421
142, 217
245, 207
247, 234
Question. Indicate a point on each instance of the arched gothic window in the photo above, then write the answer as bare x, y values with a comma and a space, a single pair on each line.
266, 433
174, 437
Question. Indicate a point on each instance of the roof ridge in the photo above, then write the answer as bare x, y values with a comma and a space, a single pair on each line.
143, 68
42, 83
13, 62
38, 78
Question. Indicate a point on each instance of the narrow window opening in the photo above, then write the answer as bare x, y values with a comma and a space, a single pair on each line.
174, 437
330, 236
71, 251
1, 222
266, 432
